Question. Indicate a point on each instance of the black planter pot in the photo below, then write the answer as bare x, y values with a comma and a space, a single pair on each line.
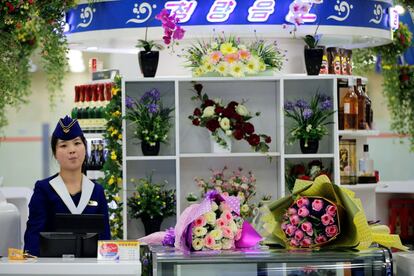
148, 62
150, 150
310, 147
151, 225
313, 60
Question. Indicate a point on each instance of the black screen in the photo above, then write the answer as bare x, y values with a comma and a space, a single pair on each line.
72, 235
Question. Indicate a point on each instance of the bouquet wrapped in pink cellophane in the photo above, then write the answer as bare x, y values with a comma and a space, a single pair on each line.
213, 224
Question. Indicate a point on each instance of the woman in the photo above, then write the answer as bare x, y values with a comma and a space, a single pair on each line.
68, 191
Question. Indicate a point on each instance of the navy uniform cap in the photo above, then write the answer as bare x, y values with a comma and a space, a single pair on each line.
67, 129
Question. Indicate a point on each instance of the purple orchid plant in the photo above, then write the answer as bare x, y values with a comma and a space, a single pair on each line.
310, 119
151, 119
172, 32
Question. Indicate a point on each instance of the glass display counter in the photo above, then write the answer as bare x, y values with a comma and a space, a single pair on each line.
267, 262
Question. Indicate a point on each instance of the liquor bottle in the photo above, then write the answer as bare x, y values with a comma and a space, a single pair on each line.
93, 107
108, 92
366, 164
368, 107
351, 107
92, 157
81, 101
342, 90
75, 108
361, 105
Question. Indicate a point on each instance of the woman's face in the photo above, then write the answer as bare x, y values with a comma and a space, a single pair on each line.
70, 154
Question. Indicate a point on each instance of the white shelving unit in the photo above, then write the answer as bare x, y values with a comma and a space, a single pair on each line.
188, 153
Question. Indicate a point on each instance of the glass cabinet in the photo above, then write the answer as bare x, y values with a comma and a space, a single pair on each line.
162, 261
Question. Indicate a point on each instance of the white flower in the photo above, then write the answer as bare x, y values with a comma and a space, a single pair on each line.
214, 206
227, 244
233, 226
245, 208
217, 234
225, 123
242, 47
214, 45
210, 217
229, 132
236, 69
308, 128
198, 244
253, 66
208, 112
199, 231
222, 68
242, 110
198, 72
244, 186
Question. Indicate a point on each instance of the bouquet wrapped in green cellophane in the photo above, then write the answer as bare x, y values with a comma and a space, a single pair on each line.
320, 214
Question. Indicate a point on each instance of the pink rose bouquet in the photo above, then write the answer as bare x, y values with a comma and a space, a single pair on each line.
310, 222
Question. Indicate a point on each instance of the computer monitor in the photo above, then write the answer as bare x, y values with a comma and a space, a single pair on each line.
72, 235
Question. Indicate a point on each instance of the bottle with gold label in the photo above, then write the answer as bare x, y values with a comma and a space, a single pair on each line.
351, 107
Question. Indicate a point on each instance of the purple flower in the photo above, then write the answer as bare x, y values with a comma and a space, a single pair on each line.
129, 102
327, 104
154, 94
169, 238
153, 108
289, 106
302, 104
307, 113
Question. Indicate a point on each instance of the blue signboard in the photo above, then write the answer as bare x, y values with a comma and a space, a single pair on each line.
138, 14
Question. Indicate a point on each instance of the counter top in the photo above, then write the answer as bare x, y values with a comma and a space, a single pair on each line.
71, 266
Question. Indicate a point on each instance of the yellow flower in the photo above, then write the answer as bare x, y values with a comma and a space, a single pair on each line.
245, 208
119, 181
198, 72
120, 137
216, 234
115, 90
199, 231
227, 48
222, 68
116, 113
210, 217
117, 199
111, 180
198, 244
262, 66
115, 132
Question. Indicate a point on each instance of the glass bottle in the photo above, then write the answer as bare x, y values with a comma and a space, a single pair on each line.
74, 112
351, 107
361, 105
366, 164
368, 107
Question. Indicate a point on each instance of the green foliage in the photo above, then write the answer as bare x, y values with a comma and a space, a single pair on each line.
112, 168
148, 45
363, 61
311, 41
151, 199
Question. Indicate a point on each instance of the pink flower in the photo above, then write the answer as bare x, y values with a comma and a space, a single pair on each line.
327, 219
292, 211
209, 241
284, 225
320, 239
226, 216
331, 230
221, 222
238, 235
306, 242
299, 235
290, 230
303, 212
294, 242
215, 57
179, 33
200, 221
231, 58
307, 227
331, 210
303, 201
227, 233
294, 219
244, 54
317, 205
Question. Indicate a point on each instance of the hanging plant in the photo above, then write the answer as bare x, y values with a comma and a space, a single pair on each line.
398, 79
25, 26
113, 165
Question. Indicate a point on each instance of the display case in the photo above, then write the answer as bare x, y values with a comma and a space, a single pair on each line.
268, 262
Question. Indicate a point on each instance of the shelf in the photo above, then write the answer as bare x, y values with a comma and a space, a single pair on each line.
360, 187
309, 156
358, 133
147, 158
399, 187
231, 154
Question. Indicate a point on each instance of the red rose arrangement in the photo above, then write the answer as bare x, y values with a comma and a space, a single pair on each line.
227, 120
310, 222
301, 171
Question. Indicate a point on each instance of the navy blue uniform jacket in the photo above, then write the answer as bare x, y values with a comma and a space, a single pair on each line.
45, 203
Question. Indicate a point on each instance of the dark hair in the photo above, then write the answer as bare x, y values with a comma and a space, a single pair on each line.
53, 143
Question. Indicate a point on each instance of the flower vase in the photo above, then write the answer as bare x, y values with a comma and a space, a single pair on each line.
151, 225
148, 62
149, 150
216, 147
309, 146
313, 60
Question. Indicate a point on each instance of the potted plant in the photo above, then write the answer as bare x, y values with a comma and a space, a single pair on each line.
148, 58
151, 119
151, 202
226, 121
265, 199
313, 53
310, 121
301, 171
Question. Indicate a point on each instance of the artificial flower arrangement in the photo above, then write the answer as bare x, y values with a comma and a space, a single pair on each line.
310, 171
310, 119
213, 224
229, 56
230, 120
172, 32
151, 199
320, 214
243, 186
151, 119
